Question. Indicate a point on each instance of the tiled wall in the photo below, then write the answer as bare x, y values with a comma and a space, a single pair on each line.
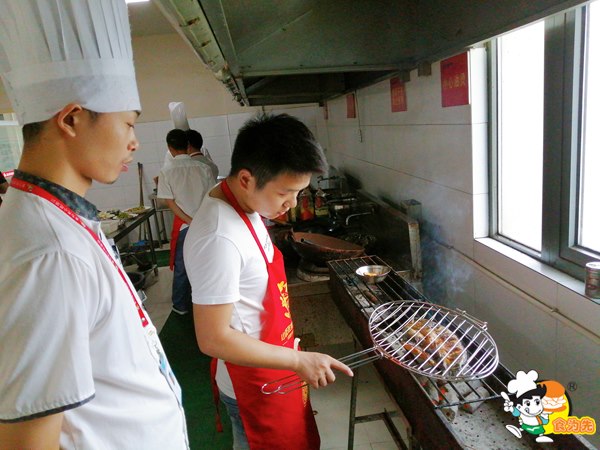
219, 134
438, 156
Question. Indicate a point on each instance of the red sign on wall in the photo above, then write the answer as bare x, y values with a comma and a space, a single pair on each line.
455, 80
350, 107
398, 95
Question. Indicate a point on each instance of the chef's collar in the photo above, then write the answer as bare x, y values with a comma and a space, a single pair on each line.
76, 202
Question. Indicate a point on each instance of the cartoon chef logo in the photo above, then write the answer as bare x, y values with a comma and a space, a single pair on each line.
542, 408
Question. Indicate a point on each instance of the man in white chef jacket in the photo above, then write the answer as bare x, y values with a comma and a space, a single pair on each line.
197, 153
81, 365
182, 186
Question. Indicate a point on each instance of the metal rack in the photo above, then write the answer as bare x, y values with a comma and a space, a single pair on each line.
394, 287
159, 219
430, 407
369, 296
141, 220
471, 393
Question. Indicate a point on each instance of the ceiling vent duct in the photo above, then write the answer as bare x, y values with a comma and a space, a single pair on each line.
278, 52
189, 20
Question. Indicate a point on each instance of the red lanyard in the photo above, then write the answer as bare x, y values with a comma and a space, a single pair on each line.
36, 190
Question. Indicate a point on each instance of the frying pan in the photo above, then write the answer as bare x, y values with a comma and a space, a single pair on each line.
424, 338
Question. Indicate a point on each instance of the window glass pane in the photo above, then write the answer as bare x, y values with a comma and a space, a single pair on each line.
520, 135
589, 228
10, 142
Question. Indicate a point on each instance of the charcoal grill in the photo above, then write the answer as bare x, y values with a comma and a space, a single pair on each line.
425, 402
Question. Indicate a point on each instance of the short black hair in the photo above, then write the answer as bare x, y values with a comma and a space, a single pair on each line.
540, 391
194, 138
32, 130
177, 139
269, 145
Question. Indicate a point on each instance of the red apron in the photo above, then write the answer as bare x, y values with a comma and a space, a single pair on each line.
177, 222
274, 421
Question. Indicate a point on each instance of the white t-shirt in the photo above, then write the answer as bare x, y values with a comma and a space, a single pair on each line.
224, 265
167, 160
72, 339
186, 181
209, 162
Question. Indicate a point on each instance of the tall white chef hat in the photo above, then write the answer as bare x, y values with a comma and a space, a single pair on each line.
524, 382
53, 52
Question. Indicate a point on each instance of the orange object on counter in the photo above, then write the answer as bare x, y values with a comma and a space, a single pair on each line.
307, 208
321, 208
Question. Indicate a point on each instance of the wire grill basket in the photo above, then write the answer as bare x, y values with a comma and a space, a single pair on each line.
434, 341
426, 339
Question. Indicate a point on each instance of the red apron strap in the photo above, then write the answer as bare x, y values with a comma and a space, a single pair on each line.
235, 204
177, 223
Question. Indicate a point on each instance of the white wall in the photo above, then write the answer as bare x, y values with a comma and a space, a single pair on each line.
438, 156
219, 134
167, 70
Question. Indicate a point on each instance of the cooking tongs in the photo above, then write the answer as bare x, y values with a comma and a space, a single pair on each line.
426, 339
293, 382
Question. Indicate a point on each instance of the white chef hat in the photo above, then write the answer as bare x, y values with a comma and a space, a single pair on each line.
524, 382
61, 51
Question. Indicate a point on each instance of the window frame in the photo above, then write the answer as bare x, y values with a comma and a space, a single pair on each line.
564, 52
10, 120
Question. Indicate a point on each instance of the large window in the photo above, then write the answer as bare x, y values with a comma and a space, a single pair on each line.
520, 134
545, 131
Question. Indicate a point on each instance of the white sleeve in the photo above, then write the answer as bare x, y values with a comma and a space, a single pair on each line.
213, 267
167, 161
164, 188
46, 318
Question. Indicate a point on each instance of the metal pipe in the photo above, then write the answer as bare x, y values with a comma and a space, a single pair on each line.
357, 214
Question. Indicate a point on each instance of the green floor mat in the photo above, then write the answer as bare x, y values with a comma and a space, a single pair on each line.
192, 369
162, 258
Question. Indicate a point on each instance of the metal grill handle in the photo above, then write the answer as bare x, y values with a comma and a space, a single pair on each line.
292, 382
481, 323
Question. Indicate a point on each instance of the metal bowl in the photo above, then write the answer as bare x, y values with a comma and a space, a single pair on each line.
373, 274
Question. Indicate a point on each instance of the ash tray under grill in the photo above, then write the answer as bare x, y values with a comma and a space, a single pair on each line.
373, 274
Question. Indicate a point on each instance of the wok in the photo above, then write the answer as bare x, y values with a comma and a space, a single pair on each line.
320, 248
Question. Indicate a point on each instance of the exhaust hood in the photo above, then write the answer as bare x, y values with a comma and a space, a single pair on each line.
276, 52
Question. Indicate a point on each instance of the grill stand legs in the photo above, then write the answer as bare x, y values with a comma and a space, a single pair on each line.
385, 415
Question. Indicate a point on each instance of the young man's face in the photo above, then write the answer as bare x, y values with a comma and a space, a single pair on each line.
278, 195
107, 143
